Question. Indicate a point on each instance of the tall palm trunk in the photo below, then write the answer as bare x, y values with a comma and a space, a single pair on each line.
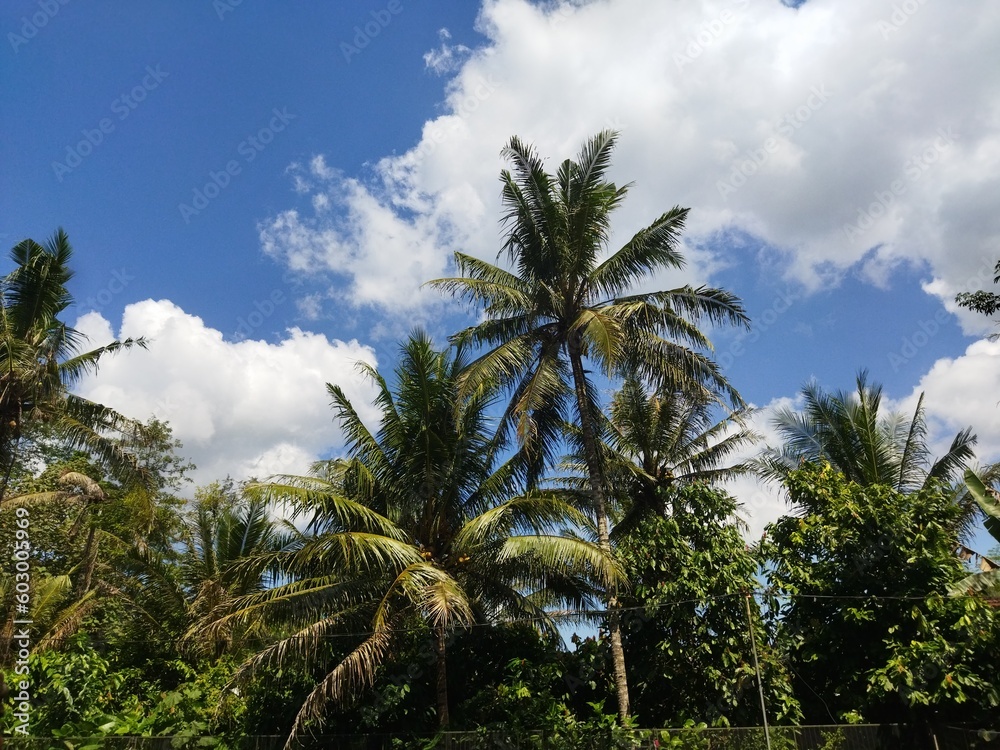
597, 488
440, 648
12, 459
89, 561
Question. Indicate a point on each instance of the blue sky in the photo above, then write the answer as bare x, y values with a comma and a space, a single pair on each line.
262, 188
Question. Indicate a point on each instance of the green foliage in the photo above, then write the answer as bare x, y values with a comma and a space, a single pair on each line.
77, 693
208, 622
81, 532
652, 441
860, 576
852, 432
688, 634
422, 520
986, 303
515, 679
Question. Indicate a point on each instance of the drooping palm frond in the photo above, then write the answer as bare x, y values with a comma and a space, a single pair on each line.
55, 613
355, 672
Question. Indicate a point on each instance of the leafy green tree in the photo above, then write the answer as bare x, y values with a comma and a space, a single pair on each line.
80, 692
687, 633
58, 603
861, 575
564, 304
422, 520
982, 301
80, 531
154, 517
41, 358
510, 678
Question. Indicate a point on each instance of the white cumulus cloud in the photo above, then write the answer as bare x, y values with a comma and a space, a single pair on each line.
961, 392
846, 135
246, 408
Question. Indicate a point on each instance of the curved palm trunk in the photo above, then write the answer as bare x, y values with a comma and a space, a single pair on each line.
597, 485
440, 648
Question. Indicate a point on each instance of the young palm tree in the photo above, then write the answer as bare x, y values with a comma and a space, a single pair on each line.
221, 537
41, 359
563, 304
654, 441
847, 430
423, 520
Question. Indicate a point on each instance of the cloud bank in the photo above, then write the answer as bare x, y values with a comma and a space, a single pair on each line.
845, 136
246, 408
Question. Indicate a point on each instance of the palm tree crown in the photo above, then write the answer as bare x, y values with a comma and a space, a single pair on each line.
420, 520
562, 300
869, 446
41, 358
654, 441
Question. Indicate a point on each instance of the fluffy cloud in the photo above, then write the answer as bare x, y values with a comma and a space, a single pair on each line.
447, 57
963, 392
246, 408
843, 134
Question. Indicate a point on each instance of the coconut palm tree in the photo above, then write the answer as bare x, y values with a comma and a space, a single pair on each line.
421, 520
41, 358
867, 445
654, 441
565, 303
223, 534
